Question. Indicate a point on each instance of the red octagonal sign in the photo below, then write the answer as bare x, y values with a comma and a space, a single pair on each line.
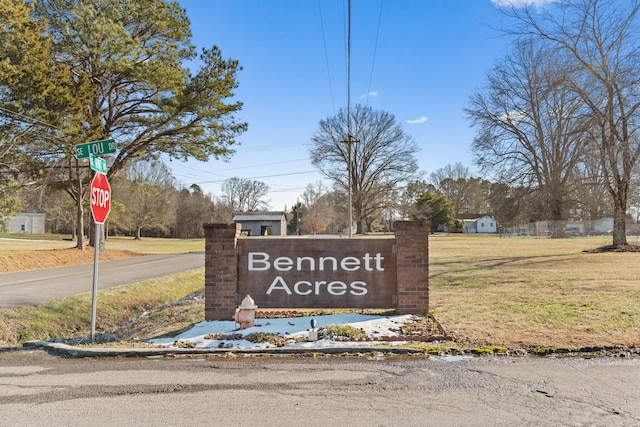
100, 198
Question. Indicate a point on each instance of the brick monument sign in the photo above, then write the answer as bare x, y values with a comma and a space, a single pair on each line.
317, 272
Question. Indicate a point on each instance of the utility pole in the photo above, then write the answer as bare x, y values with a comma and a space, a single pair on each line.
349, 136
297, 216
349, 170
349, 141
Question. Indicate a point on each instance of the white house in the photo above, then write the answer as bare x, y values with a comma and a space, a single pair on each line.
484, 224
27, 223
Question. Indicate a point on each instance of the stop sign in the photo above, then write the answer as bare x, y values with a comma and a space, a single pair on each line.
100, 198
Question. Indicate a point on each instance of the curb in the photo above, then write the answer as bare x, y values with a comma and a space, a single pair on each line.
70, 351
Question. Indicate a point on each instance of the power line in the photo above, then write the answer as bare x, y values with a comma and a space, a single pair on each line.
242, 167
326, 57
375, 50
263, 176
35, 121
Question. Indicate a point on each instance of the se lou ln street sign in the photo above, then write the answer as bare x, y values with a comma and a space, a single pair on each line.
95, 148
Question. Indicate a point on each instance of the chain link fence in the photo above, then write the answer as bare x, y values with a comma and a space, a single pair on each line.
601, 227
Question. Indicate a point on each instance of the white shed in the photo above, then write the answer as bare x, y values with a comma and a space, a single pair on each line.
262, 223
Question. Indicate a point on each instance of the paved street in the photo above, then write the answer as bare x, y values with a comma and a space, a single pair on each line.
33, 286
37, 389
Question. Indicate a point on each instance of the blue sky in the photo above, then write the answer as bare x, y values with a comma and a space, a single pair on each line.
419, 60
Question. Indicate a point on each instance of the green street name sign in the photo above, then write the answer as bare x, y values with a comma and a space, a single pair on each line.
96, 148
98, 164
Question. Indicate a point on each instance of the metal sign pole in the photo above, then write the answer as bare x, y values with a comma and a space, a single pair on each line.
94, 297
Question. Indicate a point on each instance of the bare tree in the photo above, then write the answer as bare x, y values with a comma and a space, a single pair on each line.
531, 127
245, 195
379, 155
601, 38
221, 211
317, 211
468, 194
145, 195
193, 208
590, 197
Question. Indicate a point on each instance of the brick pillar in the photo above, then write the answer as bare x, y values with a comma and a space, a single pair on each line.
220, 270
412, 240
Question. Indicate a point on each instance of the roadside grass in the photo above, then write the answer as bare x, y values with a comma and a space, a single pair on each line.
71, 317
154, 245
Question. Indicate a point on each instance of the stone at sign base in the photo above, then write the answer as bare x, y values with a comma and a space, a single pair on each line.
313, 335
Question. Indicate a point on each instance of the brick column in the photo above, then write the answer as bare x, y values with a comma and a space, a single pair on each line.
220, 270
412, 239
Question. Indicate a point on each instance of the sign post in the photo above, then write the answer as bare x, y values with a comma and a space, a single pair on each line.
100, 202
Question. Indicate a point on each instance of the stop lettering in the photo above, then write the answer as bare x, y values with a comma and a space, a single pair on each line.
100, 200
100, 197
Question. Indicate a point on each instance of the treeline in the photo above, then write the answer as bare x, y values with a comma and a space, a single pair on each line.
147, 201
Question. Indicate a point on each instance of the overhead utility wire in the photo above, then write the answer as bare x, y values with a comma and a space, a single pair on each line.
35, 121
263, 176
326, 57
375, 49
241, 167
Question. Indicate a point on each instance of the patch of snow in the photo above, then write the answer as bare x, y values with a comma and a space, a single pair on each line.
295, 329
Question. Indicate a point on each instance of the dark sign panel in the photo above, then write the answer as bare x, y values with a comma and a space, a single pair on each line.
318, 273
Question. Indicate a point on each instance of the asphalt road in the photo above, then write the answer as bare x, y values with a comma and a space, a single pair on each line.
38, 389
29, 287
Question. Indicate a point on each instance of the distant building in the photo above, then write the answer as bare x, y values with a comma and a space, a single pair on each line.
262, 223
478, 223
27, 223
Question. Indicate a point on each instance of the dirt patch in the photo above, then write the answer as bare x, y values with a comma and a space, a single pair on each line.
12, 261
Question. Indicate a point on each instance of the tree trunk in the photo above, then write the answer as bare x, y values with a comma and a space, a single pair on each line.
103, 239
619, 221
92, 234
79, 211
556, 205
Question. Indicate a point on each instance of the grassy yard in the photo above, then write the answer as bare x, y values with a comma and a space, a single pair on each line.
523, 292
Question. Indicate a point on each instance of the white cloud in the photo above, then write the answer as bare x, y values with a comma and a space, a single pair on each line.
422, 119
372, 94
513, 117
522, 3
